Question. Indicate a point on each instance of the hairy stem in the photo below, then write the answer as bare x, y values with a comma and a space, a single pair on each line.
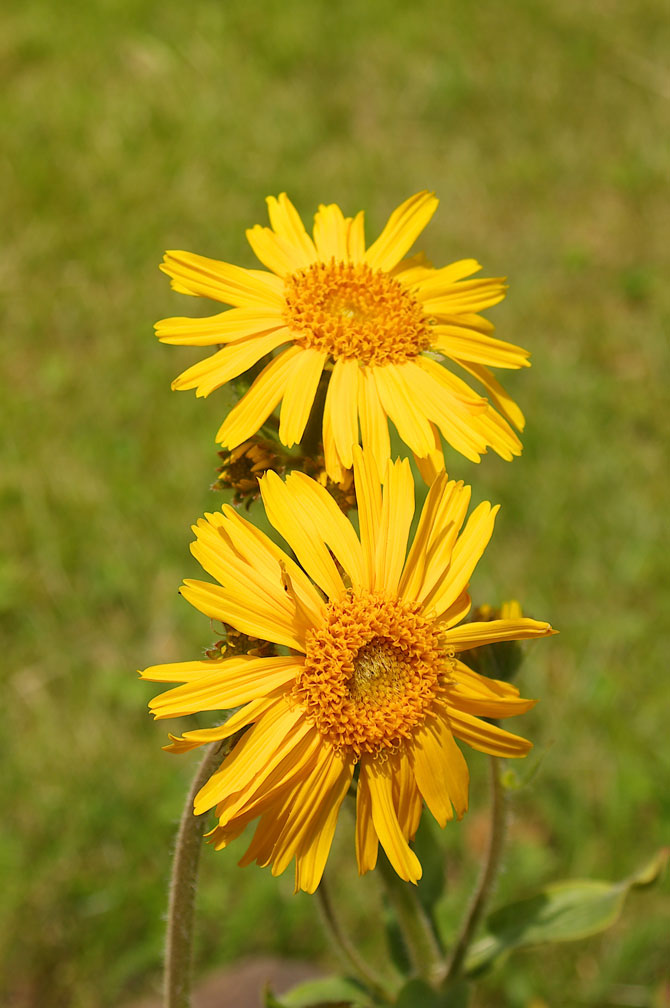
488, 873
345, 947
179, 937
416, 929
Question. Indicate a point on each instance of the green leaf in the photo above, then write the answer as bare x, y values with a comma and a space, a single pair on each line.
563, 911
417, 994
326, 992
269, 1000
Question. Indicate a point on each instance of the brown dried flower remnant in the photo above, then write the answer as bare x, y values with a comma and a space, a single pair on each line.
243, 466
236, 643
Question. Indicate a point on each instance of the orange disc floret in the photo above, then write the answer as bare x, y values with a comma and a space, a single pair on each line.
350, 310
371, 672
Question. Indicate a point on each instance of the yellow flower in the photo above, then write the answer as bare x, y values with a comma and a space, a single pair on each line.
371, 681
376, 322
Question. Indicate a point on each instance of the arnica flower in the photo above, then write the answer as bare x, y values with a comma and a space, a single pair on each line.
371, 686
380, 324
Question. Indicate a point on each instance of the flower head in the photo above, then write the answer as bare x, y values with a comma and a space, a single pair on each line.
377, 326
372, 683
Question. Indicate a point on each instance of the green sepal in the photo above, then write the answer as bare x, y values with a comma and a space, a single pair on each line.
501, 660
562, 911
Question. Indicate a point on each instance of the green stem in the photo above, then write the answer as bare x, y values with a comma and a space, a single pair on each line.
346, 949
416, 929
488, 874
179, 937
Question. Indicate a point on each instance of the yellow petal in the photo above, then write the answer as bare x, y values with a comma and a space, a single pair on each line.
489, 707
438, 402
471, 635
255, 406
331, 233
221, 836
481, 685
234, 683
367, 841
470, 319
490, 698
332, 461
252, 558
415, 565
464, 558
356, 238
449, 383
226, 327
447, 520
233, 360
288, 224
435, 281
263, 746
468, 296
404, 408
369, 499
406, 798
497, 433
374, 425
249, 614
274, 781
269, 827
440, 769
187, 671
456, 612
454, 418
401, 231
487, 737
241, 719
322, 791
216, 551
411, 271
312, 854
470, 428
274, 252
178, 745
432, 464
385, 820
342, 404
289, 515
335, 529
222, 281
395, 521
299, 395
461, 343
496, 393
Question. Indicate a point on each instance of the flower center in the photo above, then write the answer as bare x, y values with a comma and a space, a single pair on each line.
350, 310
372, 672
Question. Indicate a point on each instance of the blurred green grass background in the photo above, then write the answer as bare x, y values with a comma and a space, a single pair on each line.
132, 126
